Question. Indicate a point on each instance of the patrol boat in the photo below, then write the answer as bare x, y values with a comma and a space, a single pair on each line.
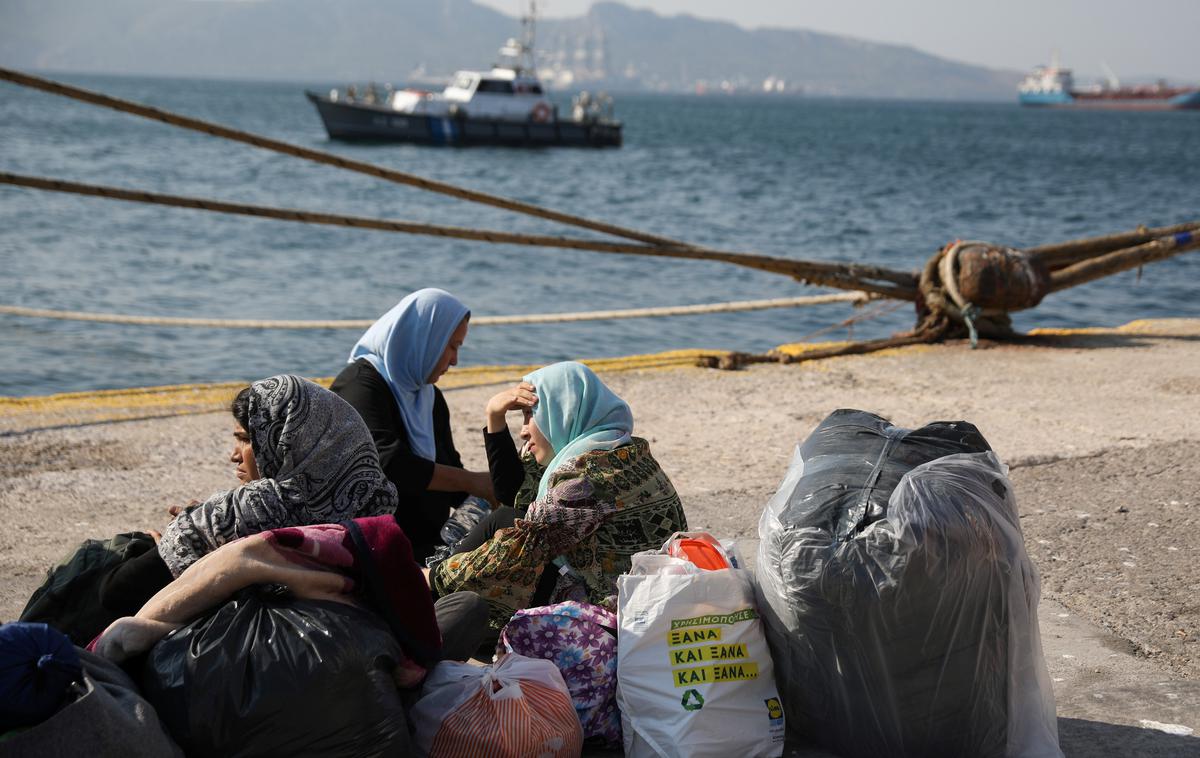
503, 106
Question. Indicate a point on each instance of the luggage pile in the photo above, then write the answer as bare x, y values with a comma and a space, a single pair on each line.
682, 669
899, 598
893, 612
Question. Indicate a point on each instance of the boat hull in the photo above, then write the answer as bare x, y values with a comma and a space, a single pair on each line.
1183, 101
359, 122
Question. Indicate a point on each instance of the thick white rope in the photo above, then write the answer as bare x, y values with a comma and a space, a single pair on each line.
536, 318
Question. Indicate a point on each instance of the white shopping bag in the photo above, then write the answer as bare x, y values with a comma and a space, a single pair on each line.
515, 708
694, 674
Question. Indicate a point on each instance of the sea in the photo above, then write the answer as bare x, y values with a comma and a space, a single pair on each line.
881, 182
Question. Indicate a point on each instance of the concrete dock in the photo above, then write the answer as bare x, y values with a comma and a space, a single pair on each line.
1100, 428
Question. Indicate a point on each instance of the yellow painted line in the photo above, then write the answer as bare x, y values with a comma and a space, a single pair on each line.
69, 409
1162, 327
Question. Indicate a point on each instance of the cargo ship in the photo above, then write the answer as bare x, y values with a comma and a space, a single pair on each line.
1054, 86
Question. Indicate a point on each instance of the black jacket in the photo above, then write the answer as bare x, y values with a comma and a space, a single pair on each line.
421, 512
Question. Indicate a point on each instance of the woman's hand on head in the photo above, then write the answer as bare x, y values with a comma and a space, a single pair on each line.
514, 398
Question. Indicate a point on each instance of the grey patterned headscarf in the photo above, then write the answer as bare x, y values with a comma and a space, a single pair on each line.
318, 465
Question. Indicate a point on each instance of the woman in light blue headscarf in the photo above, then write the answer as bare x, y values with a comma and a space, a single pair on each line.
587, 496
390, 381
585, 415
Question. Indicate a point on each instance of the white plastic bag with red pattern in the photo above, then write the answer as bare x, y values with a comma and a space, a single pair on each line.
514, 708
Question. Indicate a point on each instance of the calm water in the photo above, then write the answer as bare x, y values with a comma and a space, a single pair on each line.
886, 183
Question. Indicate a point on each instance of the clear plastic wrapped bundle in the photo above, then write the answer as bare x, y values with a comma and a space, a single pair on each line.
900, 604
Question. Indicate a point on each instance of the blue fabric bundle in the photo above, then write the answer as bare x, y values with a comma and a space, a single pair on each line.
37, 666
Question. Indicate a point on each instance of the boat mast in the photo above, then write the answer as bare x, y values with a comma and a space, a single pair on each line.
520, 52
528, 24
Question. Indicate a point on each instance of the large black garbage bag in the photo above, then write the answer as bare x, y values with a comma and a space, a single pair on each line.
900, 604
269, 675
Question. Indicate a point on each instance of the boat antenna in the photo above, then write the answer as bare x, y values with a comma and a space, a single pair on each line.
528, 29
520, 52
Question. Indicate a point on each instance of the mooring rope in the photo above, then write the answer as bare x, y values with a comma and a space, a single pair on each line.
958, 306
1005, 280
841, 276
1063, 254
848, 323
535, 318
846, 276
330, 159
1123, 260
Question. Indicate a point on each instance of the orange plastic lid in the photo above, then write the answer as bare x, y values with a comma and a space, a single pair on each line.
701, 553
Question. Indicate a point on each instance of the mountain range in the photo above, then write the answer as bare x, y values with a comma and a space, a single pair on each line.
613, 46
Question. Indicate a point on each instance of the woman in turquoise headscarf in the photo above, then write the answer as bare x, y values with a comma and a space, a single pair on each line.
390, 382
586, 497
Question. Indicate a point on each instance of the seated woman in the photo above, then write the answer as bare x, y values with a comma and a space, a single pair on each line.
303, 456
390, 382
602, 498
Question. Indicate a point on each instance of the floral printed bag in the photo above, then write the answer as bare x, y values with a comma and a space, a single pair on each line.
581, 640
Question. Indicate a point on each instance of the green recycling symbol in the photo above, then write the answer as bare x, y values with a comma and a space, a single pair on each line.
692, 701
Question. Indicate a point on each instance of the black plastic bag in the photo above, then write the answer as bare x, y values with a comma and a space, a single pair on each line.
853, 461
269, 675
899, 601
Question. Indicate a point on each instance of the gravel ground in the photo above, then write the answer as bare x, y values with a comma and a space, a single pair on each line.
1101, 430
1114, 536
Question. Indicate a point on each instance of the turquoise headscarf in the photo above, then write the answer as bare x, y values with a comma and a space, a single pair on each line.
577, 413
404, 346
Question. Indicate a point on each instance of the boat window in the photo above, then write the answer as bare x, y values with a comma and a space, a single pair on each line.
536, 89
495, 86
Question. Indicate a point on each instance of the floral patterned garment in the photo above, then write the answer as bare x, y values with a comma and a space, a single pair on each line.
601, 508
529, 487
581, 640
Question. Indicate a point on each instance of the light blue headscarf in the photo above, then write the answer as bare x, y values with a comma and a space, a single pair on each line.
404, 346
577, 413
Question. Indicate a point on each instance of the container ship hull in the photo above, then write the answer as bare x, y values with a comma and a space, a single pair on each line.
1126, 100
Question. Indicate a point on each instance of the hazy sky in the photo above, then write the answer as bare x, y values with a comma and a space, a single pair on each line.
1134, 37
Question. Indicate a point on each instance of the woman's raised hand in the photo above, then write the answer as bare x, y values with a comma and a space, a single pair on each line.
514, 398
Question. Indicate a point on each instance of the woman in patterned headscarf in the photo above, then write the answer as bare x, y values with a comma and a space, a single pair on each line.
600, 498
304, 457
390, 381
